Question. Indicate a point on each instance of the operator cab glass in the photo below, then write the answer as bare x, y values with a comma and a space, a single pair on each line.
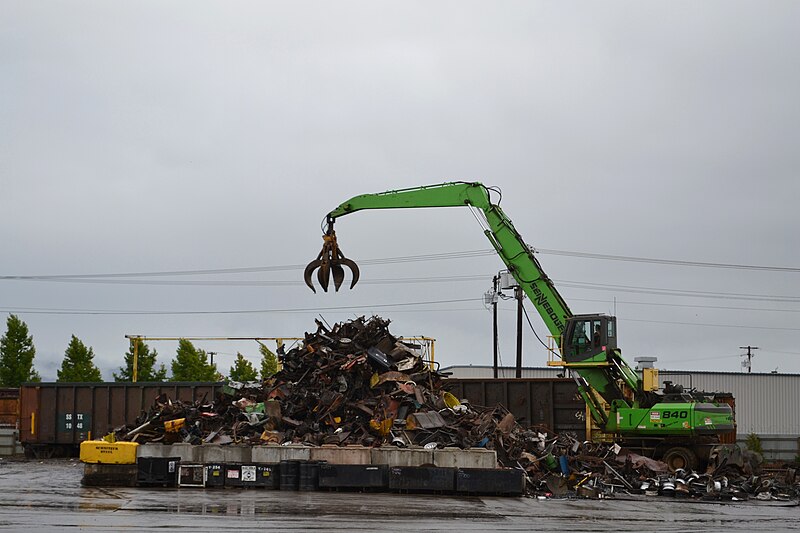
588, 335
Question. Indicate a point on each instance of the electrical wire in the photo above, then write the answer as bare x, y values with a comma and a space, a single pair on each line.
676, 292
701, 324
739, 326
260, 283
224, 312
399, 259
240, 270
674, 262
530, 324
692, 306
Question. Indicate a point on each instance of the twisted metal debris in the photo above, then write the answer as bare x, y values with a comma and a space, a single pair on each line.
355, 383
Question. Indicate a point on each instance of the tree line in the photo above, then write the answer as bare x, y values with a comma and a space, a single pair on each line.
17, 353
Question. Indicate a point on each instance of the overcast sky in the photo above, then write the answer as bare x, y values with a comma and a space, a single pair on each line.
169, 136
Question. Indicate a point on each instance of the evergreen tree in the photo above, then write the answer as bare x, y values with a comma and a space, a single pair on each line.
242, 370
78, 364
145, 362
16, 354
269, 362
191, 364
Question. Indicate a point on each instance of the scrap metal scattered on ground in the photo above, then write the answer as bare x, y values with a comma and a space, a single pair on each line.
355, 383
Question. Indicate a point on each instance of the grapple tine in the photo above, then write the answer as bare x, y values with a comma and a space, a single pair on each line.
338, 275
353, 268
330, 261
309, 271
324, 275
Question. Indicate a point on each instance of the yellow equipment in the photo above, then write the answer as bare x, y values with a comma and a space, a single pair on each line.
109, 453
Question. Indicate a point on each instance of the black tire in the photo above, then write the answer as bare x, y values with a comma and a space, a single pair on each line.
680, 458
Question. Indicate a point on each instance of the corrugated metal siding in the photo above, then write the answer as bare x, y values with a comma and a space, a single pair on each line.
483, 372
766, 404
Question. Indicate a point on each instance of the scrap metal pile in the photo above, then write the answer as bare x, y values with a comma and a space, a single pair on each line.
355, 383
562, 466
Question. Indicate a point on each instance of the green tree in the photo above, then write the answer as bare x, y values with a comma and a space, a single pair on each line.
145, 362
16, 354
269, 362
78, 364
191, 364
242, 370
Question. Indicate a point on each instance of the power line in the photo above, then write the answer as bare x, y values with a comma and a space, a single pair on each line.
676, 292
458, 279
403, 259
709, 325
693, 306
242, 270
674, 262
254, 283
223, 312
699, 324
767, 350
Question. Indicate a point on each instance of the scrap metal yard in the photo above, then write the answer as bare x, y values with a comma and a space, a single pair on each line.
46, 495
395, 267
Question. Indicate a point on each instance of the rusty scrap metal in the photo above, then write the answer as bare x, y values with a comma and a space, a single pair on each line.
356, 383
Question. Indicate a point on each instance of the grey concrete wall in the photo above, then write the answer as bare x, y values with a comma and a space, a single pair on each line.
9, 442
776, 447
210, 453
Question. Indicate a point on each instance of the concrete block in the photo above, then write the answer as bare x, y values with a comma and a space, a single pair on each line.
187, 452
276, 454
9, 442
346, 455
150, 450
472, 458
236, 454
393, 456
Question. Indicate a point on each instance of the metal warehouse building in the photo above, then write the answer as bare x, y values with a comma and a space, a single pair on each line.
766, 404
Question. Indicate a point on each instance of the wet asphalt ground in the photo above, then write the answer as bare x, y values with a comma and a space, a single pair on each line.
47, 496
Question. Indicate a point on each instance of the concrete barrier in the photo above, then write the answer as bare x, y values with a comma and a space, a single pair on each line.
215, 453
401, 456
348, 455
276, 454
472, 458
9, 442
187, 452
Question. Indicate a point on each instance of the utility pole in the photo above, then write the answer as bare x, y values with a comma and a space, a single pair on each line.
519, 295
212, 354
495, 281
749, 356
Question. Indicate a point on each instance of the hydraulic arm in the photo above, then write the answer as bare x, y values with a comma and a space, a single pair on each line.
587, 343
504, 238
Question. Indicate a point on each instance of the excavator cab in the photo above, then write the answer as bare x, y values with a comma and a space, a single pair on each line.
586, 336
